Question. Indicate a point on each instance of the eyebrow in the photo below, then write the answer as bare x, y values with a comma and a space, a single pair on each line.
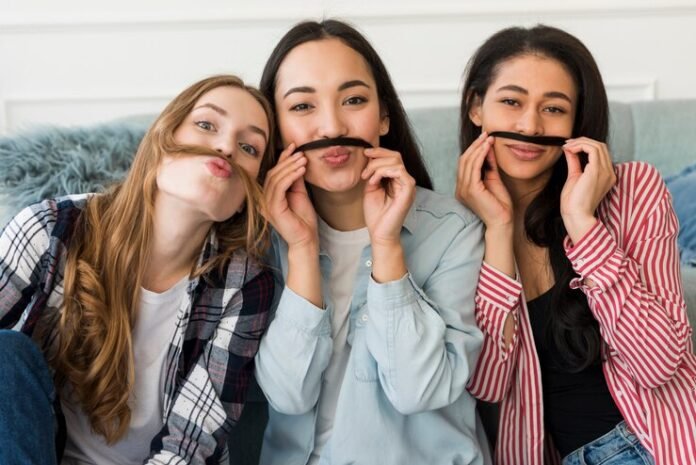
311, 90
522, 90
217, 109
258, 130
213, 107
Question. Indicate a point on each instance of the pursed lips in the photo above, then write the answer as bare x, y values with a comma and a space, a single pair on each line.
219, 167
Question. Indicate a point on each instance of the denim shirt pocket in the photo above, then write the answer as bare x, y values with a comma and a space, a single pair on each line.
364, 364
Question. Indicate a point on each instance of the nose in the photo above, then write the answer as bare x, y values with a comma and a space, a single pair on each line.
224, 146
331, 123
529, 123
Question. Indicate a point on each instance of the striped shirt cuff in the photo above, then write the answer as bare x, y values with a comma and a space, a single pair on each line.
596, 256
498, 288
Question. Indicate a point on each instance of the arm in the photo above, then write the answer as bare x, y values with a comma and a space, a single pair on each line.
295, 351
211, 398
24, 242
425, 340
636, 294
498, 308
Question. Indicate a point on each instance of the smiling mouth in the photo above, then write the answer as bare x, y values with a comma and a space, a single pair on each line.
526, 152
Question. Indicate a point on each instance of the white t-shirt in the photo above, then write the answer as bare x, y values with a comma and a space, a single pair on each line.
152, 335
344, 248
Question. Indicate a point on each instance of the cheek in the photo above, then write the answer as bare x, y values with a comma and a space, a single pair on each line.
291, 131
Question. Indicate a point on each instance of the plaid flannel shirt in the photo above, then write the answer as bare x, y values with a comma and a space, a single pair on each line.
210, 360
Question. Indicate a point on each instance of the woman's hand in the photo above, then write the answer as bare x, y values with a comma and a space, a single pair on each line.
385, 206
385, 214
289, 209
288, 206
486, 197
491, 202
584, 190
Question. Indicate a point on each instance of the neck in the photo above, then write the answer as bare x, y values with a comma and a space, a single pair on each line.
177, 238
523, 191
342, 211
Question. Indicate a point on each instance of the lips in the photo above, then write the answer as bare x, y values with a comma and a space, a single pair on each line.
219, 168
526, 152
336, 156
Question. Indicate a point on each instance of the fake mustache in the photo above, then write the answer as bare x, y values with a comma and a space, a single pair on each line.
336, 141
539, 140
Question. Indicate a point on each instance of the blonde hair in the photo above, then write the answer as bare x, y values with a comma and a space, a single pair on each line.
106, 261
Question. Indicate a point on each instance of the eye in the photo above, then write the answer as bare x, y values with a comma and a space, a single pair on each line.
557, 110
300, 107
248, 148
509, 101
357, 100
205, 125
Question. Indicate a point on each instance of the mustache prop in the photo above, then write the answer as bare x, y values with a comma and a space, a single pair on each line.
539, 140
336, 141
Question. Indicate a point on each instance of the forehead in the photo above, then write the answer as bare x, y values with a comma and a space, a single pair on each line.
534, 73
238, 104
326, 61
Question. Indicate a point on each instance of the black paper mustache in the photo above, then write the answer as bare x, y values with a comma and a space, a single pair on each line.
539, 140
336, 141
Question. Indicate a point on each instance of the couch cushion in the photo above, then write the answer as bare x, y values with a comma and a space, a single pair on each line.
664, 133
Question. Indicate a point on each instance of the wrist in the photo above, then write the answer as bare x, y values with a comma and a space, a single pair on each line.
305, 252
388, 262
578, 225
503, 231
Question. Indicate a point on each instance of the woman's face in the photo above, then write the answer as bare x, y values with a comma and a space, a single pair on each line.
232, 122
325, 89
531, 95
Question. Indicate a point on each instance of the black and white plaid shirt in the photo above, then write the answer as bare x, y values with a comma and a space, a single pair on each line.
210, 359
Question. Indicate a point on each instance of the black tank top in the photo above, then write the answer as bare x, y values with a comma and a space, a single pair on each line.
578, 407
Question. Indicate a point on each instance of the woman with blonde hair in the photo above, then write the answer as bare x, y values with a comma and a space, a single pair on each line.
140, 310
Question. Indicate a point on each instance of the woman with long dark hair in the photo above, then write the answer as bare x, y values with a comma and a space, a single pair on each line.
374, 338
587, 340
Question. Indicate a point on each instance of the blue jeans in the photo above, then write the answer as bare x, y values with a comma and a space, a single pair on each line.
618, 447
27, 393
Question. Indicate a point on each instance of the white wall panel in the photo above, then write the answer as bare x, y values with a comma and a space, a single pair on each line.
81, 61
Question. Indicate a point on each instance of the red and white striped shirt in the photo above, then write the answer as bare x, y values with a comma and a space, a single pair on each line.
630, 257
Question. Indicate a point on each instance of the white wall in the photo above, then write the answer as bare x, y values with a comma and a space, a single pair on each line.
82, 61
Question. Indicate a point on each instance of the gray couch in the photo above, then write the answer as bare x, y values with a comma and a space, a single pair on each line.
662, 133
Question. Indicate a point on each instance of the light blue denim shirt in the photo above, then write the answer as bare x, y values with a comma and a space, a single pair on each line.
414, 343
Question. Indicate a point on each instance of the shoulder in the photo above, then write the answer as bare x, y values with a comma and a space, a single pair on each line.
52, 216
638, 181
431, 206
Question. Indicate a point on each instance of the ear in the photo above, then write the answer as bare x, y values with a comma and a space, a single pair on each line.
384, 125
475, 111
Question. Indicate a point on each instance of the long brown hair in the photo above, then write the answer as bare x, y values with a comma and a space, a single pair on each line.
106, 261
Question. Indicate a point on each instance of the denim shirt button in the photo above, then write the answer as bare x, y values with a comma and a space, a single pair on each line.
364, 318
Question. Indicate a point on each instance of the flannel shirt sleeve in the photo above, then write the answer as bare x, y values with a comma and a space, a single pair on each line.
24, 243
210, 400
